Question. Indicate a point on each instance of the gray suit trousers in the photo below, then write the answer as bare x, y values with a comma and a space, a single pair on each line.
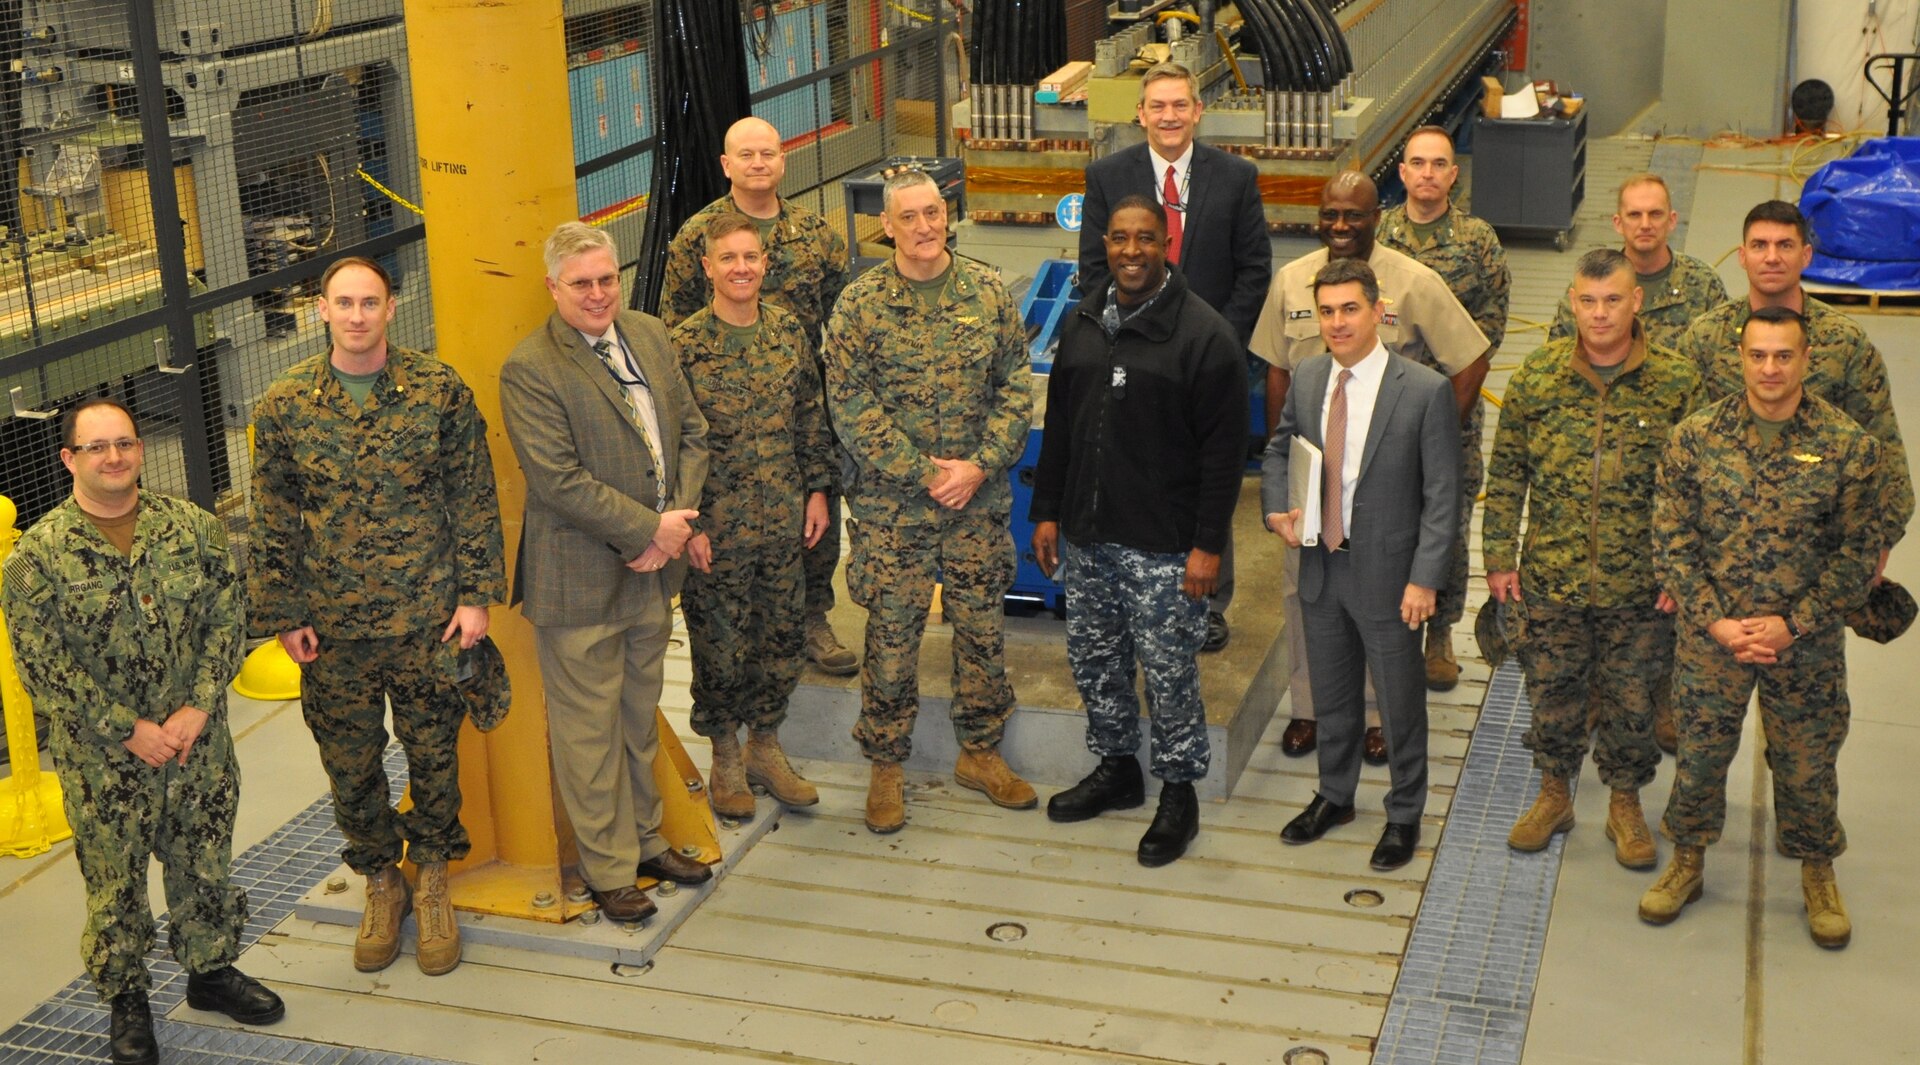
1344, 647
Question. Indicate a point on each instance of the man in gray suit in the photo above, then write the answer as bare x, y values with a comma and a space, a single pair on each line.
1390, 435
615, 455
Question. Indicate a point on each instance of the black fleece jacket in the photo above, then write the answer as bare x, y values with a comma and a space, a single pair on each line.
1145, 435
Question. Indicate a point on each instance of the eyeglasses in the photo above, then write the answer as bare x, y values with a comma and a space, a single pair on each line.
95, 448
585, 285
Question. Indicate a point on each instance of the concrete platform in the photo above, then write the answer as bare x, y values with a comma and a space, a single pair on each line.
1046, 740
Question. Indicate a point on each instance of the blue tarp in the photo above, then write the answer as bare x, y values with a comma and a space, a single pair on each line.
1865, 211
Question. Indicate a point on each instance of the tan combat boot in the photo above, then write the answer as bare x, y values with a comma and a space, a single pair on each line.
1826, 914
1443, 670
768, 767
886, 798
1552, 812
439, 949
825, 651
1627, 828
727, 784
1679, 885
987, 772
388, 901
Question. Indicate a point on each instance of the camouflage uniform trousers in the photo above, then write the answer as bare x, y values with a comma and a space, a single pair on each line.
123, 810
1803, 714
1610, 657
819, 561
344, 695
1123, 605
1450, 603
745, 621
891, 572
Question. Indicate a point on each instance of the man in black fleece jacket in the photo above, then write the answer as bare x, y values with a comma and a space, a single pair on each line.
1146, 425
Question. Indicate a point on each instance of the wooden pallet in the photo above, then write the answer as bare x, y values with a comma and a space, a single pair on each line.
1869, 300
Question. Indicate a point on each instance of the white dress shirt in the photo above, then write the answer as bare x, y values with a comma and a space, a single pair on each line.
1182, 167
642, 399
1362, 390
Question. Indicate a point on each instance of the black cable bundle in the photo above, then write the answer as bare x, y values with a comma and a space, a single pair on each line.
700, 80
1016, 42
1301, 46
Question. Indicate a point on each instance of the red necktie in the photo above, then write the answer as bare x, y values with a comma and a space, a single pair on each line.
1332, 527
1175, 211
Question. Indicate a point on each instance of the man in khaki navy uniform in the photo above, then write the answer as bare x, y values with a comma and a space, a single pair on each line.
1465, 252
806, 269
1422, 321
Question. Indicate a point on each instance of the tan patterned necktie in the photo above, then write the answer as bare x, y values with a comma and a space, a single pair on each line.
1332, 526
604, 349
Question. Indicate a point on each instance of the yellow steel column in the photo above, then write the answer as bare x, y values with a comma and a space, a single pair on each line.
496, 163
32, 817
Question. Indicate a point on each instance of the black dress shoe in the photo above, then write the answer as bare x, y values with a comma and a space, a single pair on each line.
672, 865
1174, 825
1396, 846
234, 993
1300, 738
1217, 633
624, 904
130, 1030
1313, 822
1114, 784
1373, 748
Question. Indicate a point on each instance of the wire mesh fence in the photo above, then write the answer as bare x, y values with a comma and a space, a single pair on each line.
176, 174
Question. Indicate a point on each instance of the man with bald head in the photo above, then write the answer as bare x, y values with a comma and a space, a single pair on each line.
1422, 321
806, 269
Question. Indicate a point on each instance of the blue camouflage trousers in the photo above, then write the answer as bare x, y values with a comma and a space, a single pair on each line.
1123, 606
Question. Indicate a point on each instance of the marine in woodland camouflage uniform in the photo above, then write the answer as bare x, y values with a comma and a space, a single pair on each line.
806, 266
371, 524
770, 448
918, 373
1689, 289
1743, 529
1578, 456
806, 271
1466, 254
1847, 371
126, 618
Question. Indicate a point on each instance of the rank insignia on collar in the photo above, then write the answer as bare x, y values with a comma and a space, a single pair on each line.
968, 319
1804, 457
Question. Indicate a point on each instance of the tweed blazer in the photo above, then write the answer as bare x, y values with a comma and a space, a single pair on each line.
591, 482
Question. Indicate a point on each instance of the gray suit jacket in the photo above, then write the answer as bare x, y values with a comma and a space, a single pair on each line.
590, 479
1407, 501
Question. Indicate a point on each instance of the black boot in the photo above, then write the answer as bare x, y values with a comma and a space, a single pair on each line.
130, 1032
1174, 825
1114, 784
235, 994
